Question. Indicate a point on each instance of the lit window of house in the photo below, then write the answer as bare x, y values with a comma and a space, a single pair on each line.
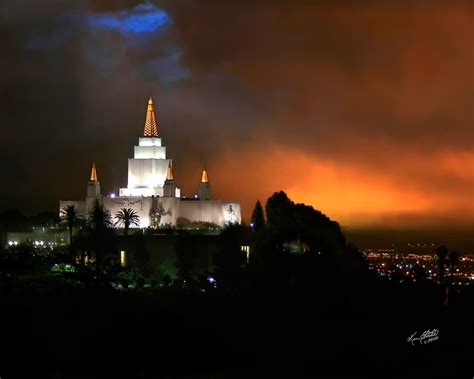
123, 258
245, 249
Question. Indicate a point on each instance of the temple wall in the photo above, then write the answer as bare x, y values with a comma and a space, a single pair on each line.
215, 211
149, 141
164, 210
138, 192
80, 206
149, 152
147, 172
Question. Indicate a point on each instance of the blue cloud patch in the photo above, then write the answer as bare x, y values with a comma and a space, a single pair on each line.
143, 18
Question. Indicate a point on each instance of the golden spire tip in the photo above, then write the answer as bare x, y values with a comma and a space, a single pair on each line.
204, 177
93, 173
151, 127
169, 174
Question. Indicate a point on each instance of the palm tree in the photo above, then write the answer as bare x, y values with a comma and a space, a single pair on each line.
127, 217
100, 222
70, 218
100, 217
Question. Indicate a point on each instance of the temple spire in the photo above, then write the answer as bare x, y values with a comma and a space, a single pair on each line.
204, 187
169, 174
151, 129
93, 173
204, 178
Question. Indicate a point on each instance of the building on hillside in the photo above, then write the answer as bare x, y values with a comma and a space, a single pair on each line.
39, 236
152, 191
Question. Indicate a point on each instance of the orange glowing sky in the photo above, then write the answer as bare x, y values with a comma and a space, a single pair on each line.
363, 109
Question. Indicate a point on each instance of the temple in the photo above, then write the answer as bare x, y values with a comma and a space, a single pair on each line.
152, 191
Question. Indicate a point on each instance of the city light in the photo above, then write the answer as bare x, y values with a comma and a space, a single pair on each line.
123, 258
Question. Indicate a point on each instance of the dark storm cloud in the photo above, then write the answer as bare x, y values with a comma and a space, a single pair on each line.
383, 86
381, 91
61, 102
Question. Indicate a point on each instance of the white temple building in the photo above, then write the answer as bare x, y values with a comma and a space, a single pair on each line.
152, 191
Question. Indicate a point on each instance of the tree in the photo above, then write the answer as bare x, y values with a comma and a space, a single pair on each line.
289, 222
258, 219
453, 259
101, 235
185, 257
442, 254
127, 217
419, 272
279, 210
167, 280
229, 260
141, 256
70, 218
12, 220
100, 217
47, 218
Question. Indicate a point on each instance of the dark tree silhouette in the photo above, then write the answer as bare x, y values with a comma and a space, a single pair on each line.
141, 256
12, 220
442, 255
70, 218
258, 218
47, 218
229, 260
127, 217
167, 280
419, 272
185, 257
453, 259
302, 249
101, 235
100, 217
288, 221
279, 211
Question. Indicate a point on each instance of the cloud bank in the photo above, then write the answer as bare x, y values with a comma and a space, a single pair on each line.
363, 109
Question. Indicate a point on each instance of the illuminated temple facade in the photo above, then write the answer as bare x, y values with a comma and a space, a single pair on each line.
152, 191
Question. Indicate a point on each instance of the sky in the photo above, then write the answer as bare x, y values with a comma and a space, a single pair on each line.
363, 109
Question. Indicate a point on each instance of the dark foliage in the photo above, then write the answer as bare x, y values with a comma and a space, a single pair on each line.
127, 217
288, 221
99, 238
258, 218
442, 256
229, 260
186, 257
13, 220
47, 218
